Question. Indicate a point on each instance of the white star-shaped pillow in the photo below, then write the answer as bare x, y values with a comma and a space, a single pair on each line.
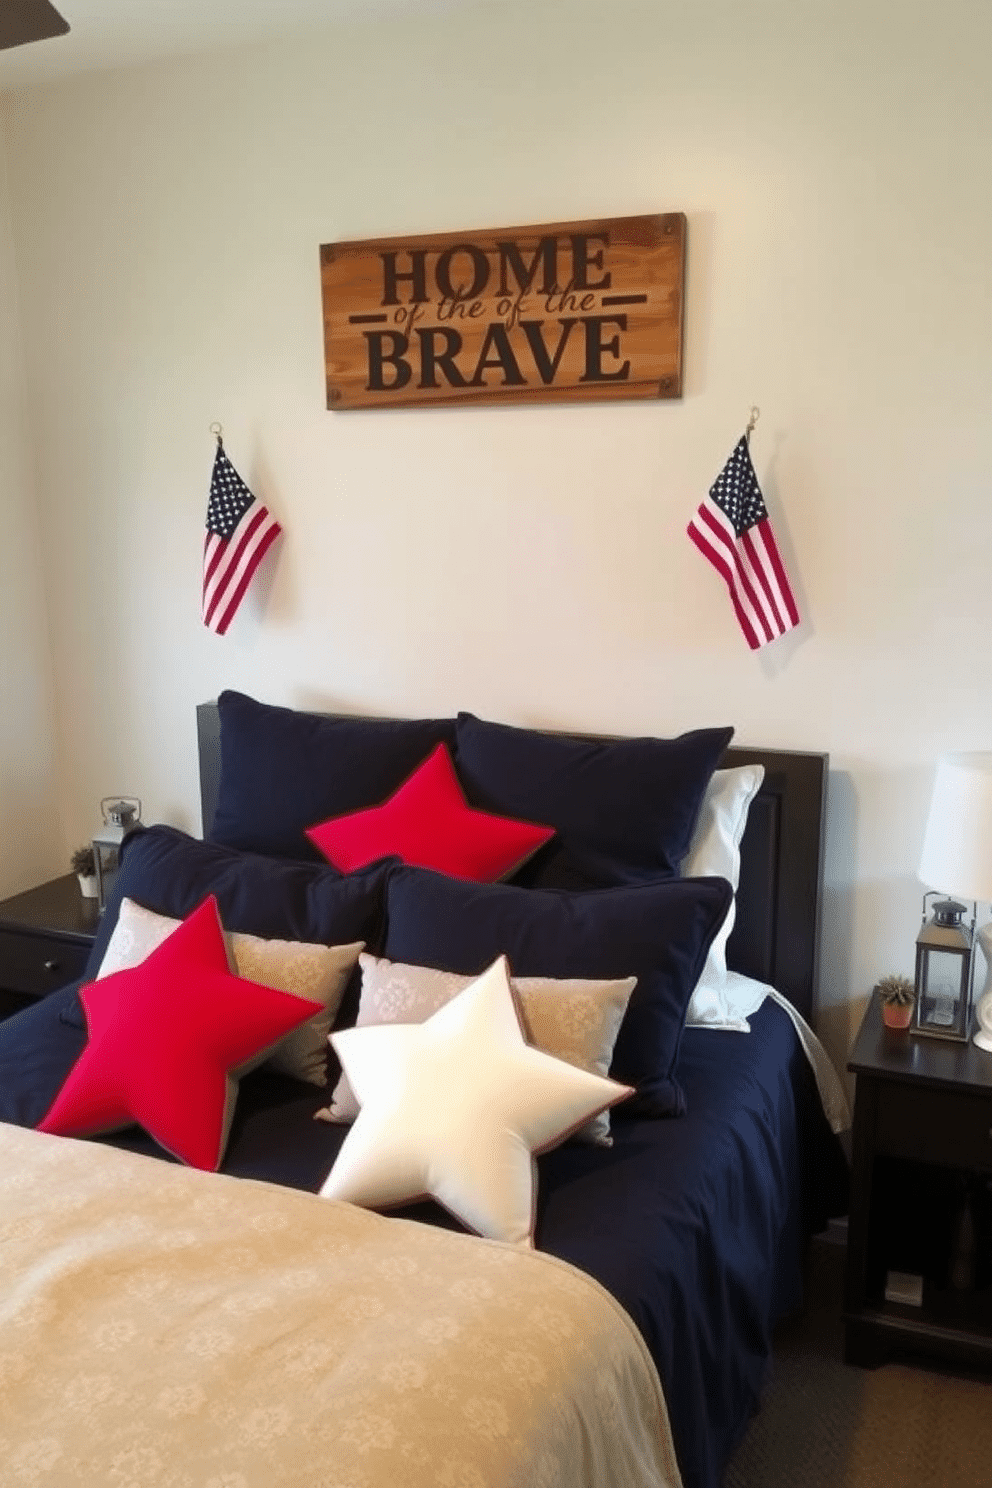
456, 1107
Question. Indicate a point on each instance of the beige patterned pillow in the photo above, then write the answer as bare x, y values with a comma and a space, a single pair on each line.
573, 1018
318, 972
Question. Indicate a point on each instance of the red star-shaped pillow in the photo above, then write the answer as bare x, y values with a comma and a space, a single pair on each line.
429, 823
167, 1042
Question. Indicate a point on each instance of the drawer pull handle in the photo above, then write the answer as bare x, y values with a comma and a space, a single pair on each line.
54, 966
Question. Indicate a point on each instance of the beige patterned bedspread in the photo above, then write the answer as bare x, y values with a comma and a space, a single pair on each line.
165, 1328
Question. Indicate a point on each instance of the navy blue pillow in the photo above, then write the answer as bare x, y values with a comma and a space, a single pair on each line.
658, 932
282, 771
624, 810
38, 1047
171, 873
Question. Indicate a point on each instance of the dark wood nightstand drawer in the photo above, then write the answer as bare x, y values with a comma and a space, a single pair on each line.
943, 1126
36, 964
46, 934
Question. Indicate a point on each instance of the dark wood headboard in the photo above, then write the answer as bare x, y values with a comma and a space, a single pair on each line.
776, 936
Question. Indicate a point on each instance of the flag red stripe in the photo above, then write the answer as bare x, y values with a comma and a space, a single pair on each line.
238, 544
755, 597
761, 546
231, 565
764, 575
786, 595
229, 555
213, 548
236, 578
753, 564
752, 580
757, 631
213, 552
725, 564
265, 543
725, 569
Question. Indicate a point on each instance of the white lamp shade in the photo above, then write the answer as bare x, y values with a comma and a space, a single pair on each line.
957, 844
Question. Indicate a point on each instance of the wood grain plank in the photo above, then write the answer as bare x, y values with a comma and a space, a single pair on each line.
566, 311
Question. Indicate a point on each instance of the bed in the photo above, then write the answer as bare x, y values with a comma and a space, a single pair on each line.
237, 1327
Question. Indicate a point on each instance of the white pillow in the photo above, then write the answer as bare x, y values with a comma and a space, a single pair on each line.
318, 972
456, 1107
716, 851
574, 1018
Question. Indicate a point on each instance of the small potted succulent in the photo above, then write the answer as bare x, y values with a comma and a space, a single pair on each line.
898, 995
83, 864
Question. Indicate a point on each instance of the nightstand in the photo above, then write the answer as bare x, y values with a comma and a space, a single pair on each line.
46, 935
922, 1139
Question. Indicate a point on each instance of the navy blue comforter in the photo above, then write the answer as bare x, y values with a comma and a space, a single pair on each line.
698, 1225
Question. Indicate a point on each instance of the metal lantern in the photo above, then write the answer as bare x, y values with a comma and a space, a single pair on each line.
119, 818
944, 959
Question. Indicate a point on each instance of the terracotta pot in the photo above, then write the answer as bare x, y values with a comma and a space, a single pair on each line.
896, 1016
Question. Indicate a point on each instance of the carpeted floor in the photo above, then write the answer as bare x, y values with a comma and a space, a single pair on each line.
827, 1424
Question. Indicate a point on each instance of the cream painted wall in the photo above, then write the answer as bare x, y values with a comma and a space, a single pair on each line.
531, 564
29, 814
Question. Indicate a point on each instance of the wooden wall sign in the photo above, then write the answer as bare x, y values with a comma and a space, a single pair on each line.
573, 310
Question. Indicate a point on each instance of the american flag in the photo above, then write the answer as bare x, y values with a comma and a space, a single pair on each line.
731, 529
240, 531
